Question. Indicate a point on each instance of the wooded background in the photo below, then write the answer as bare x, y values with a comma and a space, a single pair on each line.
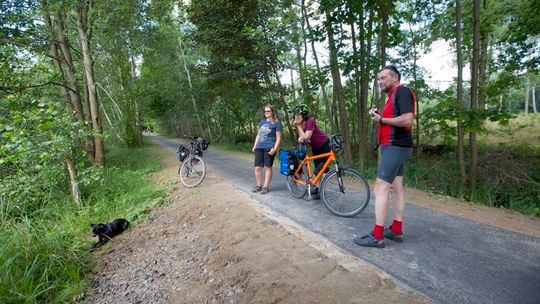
78, 77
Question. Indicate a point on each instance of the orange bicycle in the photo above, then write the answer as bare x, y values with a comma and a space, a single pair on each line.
343, 191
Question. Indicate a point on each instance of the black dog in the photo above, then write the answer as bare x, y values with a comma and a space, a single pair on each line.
105, 232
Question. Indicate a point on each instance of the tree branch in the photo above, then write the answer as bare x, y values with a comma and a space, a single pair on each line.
15, 90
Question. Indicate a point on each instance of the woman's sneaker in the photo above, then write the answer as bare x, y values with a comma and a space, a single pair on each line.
392, 236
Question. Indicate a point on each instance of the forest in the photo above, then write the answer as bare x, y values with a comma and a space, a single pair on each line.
81, 80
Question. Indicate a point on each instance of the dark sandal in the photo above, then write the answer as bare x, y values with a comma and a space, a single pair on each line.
256, 189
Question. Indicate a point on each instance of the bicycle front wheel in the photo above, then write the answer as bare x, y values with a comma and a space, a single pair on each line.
345, 193
297, 190
192, 171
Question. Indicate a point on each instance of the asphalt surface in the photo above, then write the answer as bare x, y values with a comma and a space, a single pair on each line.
446, 258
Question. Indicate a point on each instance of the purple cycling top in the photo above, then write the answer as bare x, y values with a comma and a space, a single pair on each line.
318, 138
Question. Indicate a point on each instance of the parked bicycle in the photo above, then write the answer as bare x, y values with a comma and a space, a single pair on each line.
192, 168
344, 191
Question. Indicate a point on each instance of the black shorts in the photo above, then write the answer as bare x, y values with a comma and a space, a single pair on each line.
263, 159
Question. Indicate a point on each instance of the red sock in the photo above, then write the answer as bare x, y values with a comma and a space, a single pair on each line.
378, 232
396, 227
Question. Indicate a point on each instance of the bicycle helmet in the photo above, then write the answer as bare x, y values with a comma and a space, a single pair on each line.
300, 109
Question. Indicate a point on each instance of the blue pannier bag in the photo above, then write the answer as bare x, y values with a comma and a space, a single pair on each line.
284, 159
290, 159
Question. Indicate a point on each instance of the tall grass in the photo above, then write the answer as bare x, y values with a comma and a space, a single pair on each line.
508, 178
45, 253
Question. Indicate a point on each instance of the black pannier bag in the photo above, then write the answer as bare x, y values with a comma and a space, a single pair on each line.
204, 144
182, 153
295, 159
201, 142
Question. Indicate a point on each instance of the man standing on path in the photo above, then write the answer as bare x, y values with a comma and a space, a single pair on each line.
395, 141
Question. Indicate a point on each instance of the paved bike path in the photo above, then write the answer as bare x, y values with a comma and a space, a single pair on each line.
447, 258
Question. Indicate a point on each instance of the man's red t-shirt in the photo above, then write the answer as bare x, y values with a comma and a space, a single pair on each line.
400, 100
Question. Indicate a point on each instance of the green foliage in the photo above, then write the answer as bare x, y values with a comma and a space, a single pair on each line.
438, 119
44, 255
36, 135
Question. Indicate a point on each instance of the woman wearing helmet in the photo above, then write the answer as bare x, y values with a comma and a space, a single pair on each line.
308, 131
265, 147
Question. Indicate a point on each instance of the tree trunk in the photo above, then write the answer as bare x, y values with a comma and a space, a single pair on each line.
473, 175
197, 116
85, 34
527, 90
134, 99
58, 23
337, 88
283, 104
53, 49
301, 70
385, 7
460, 131
304, 35
293, 88
482, 65
366, 34
533, 98
75, 191
360, 103
320, 77
415, 89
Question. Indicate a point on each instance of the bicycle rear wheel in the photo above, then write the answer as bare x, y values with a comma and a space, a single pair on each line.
297, 190
192, 171
345, 193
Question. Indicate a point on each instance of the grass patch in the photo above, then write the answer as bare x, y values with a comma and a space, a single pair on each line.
524, 129
45, 256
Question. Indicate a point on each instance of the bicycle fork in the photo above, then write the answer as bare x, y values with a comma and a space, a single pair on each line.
308, 196
339, 178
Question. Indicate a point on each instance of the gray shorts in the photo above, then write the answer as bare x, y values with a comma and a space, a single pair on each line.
392, 160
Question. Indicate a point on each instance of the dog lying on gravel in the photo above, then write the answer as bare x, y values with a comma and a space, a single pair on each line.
107, 231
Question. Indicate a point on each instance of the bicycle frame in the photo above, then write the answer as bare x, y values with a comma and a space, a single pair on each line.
313, 180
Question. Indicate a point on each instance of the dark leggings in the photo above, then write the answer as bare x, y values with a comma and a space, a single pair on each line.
319, 163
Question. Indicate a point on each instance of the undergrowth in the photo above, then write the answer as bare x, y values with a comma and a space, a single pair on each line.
45, 252
508, 178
